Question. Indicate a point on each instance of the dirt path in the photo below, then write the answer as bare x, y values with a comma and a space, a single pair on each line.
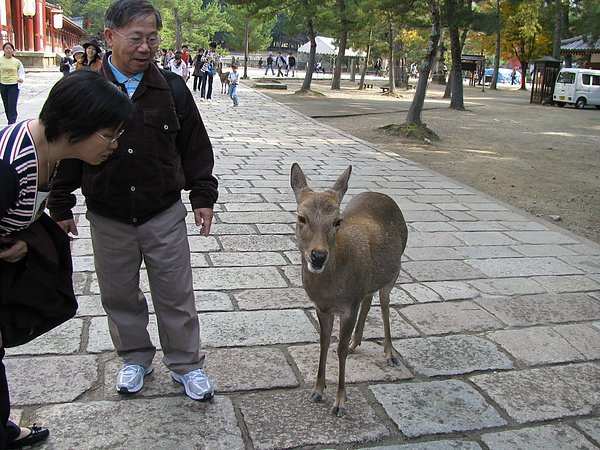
542, 159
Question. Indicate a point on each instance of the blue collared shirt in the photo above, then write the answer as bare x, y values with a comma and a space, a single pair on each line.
131, 84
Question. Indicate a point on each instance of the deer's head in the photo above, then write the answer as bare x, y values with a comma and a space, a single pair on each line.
318, 218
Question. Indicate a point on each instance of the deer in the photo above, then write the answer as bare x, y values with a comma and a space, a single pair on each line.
223, 76
347, 257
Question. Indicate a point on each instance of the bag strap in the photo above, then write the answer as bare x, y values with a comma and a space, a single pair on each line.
177, 88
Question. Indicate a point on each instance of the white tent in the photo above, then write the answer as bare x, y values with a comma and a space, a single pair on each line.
325, 46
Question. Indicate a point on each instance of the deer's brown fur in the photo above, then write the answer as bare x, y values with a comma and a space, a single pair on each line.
347, 257
223, 76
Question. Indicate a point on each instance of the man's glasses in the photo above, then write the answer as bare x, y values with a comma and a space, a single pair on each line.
152, 41
111, 141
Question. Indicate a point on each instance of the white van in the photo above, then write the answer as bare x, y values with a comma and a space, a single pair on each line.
577, 86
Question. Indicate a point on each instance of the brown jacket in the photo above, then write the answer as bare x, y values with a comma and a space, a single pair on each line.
157, 157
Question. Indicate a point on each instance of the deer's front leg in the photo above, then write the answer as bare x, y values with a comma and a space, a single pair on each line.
365, 306
347, 321
325, 328
391, 354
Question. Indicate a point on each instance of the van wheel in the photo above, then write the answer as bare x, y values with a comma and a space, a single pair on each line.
560, 104
597, 106
580, 103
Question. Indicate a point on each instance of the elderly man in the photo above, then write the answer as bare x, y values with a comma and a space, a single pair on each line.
135, 209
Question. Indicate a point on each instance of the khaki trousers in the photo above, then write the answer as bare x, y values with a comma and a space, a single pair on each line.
163, 246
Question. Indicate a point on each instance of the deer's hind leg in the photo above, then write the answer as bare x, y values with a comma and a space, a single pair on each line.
365, 306
391, 354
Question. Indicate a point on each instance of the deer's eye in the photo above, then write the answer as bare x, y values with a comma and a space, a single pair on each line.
338, 222
301, 219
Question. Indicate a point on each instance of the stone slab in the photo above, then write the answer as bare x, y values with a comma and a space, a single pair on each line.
538, 345
246, 259
62, 340
453, 290
132, 423
256, 217
432, 445
366, 363
50, 379
441, 270
248, 328
436, 407
591, 427
277, 420
451, 355
544, 393
257, 243
507, 286
549, 437
451, 317
542, 309
228, 278
273, 299
568, 283
522, 267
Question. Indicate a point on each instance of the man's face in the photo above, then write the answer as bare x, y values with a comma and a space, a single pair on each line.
131, 59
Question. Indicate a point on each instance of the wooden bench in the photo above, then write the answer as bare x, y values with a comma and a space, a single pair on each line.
384, 89
367, 84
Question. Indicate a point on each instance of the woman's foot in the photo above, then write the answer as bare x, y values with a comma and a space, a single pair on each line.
29, 436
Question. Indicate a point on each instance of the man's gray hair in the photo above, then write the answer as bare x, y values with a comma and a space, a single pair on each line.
122, 12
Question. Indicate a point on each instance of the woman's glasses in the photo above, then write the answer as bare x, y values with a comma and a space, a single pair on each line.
113, 139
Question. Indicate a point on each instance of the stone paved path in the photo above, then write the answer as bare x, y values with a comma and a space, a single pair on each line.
496, 316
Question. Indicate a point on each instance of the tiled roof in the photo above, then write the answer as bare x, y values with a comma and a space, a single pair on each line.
579, 44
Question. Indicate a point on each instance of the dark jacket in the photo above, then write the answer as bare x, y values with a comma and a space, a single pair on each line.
36, 293
157, 157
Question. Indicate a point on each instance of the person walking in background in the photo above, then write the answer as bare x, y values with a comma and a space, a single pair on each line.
135, 210
78, 52
513, 76
178, 66
234, 81
270, 64
210, 58
166, 58
260, 63
291, 65
35, 259
91, 59
12, 74
66, 62
280, 63
197, 65
377, 66
185, 55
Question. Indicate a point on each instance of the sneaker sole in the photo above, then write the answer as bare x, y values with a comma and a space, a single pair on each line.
191, 395
137, 388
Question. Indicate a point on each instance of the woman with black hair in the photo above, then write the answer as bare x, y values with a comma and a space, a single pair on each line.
12, 74
92, 56
32, 246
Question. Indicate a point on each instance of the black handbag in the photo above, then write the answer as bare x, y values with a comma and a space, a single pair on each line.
36, 293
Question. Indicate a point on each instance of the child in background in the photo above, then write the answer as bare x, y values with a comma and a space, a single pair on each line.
234, 80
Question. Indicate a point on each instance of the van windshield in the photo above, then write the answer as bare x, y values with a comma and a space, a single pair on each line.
566, 77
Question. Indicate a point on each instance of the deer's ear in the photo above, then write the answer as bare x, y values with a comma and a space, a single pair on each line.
341, 185
298, 181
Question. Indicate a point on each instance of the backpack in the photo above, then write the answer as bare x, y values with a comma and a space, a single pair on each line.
178, 92
292, 61
63, 63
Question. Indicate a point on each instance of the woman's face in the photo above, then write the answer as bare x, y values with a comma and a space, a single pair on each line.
8, 50
90, 52
78, 56
99, 146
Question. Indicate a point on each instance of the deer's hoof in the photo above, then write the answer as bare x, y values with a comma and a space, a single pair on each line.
393, 361
338, 411
315, 398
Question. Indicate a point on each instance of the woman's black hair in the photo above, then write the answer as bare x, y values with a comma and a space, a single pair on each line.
8, 43
84, 60
82, 103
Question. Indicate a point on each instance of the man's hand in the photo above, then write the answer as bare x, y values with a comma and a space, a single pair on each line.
68, 226
12, 250
203, 217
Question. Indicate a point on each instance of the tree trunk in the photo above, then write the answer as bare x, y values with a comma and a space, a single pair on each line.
413, 117
523, 73
448, 89
337, 71
494, 84
457, 100
391, 68
178, 29
363, 71
557, 29
310, 66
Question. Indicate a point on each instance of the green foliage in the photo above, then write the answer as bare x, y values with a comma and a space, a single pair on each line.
586, 18
259, 29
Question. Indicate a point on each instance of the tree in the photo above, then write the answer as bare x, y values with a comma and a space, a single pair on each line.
259, 29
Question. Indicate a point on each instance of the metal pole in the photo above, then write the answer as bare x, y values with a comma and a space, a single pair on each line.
245, 77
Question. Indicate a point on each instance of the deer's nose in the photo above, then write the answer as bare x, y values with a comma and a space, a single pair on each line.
318, 258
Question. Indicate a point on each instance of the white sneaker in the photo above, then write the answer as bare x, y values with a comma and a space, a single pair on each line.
131, 378
209, 100
196, 384
202, 99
